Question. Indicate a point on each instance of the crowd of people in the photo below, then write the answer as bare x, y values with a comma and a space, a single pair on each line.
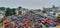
29, 21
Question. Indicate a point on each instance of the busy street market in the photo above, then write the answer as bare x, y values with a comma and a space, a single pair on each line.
29, 13
29, 21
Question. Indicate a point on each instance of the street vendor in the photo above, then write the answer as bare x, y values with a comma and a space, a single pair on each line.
56, 22
49, 23
27, 21
43, 21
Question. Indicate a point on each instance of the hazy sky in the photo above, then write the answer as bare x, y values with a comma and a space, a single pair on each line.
29, 3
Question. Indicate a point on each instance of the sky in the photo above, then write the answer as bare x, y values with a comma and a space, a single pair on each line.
30, 4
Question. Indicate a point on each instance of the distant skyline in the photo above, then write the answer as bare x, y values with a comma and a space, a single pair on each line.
30, 4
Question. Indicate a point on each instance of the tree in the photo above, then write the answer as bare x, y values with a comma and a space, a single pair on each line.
8, 12
39, 10
43, 11
32, 12
19, 12
2, 8
19, 7
13, 10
